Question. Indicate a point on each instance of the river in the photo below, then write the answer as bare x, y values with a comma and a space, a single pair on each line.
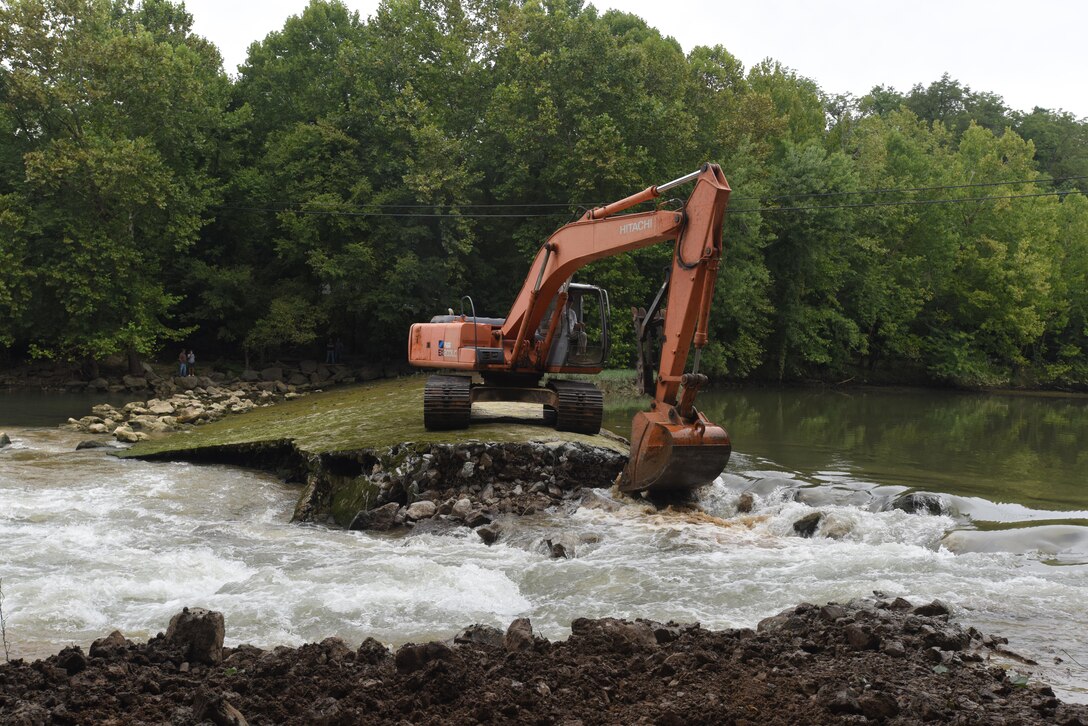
91, 543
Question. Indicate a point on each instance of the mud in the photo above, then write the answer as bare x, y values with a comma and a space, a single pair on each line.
871, 661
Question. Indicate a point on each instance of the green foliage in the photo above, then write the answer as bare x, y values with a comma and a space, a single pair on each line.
358, 176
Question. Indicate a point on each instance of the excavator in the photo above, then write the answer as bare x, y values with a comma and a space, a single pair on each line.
557, 326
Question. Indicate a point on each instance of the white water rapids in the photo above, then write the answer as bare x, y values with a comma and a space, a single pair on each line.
90, 543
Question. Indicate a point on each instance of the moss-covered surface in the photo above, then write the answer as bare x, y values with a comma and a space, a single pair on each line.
364, 417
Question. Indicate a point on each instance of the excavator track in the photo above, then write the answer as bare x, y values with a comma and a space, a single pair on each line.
579, 407
447, 403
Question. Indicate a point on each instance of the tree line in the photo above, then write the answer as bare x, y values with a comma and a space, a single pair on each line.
360, 175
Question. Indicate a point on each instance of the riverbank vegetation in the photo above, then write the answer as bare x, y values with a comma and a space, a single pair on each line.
358, 175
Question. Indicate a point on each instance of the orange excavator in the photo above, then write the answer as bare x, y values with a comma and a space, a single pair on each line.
557, 326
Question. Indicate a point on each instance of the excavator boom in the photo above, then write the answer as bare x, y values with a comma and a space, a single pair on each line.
673, 446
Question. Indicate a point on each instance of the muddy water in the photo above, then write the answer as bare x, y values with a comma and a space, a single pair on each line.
90, 543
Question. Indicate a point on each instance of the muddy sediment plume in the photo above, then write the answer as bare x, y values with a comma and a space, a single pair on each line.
868, 661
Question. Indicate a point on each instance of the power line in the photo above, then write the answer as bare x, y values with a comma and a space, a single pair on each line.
901, 203
572, 205
751, 210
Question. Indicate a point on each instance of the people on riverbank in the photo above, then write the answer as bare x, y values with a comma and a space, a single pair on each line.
190, 359
183, 363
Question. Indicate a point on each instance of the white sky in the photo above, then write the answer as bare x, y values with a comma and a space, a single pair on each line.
1030, 53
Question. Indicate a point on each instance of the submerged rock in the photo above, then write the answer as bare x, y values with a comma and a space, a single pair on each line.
4, 440
806, 526
920, 503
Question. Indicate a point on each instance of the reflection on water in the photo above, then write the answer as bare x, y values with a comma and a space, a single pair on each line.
1020, 449
19, 407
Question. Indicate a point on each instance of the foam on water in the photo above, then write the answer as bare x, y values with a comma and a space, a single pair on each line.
91, 543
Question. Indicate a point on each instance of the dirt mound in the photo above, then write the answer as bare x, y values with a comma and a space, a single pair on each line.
865, 662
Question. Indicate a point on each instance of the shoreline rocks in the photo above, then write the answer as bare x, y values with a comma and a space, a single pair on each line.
182, 402
866, 661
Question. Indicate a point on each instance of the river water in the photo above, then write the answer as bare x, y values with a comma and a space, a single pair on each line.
89, 543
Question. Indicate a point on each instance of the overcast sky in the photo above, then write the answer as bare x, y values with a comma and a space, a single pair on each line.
1030, 53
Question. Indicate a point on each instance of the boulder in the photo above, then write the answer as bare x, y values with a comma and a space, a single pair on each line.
480, 635
99, 384
98, 428
489, 533
933, 609
272, 374
297, 379
134, 383
380, 518
112, 644
308, 366
4, 440
519, 636
124, 433
191, 414
806, 526
920, 503
421, 510
92, 444
199, 633
186, 383
160, 408
461, 508
250, 376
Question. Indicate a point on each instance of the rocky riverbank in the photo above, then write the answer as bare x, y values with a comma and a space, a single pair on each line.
180, 402
868, 661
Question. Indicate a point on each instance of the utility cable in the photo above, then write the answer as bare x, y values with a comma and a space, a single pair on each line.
750, 210
591, 205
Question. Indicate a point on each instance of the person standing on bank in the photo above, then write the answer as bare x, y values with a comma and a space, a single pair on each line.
191, 360
183, 363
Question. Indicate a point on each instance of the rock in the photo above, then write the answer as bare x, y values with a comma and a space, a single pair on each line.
250, 376
272, 374
124, 433
861, 637
412, 657
160, 408
92, 444
186, 383
113, 643
481, 635
556, 549
199, 633
461, 508
72, 660
211, 706
99, 384
191, 414
308, 366
423, 509
5, 440
379, 519
477, 518
745, 503
489, 533
519, 636
933, 609
134, 383
297, 379
98, 428
806, 526
878, 706
920, 503
467, 470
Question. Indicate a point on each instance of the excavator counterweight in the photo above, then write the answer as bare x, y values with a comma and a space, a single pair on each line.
556, 326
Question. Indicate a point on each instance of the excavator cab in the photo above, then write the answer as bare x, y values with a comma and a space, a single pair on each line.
581, 339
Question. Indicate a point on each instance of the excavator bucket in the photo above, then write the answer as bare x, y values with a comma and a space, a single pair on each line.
671, 456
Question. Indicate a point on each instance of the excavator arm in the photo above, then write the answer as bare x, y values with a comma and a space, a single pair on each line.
673, 446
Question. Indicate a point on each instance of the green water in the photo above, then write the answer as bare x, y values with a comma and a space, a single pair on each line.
1027, 450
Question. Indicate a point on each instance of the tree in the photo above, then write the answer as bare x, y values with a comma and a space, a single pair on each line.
115, 110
